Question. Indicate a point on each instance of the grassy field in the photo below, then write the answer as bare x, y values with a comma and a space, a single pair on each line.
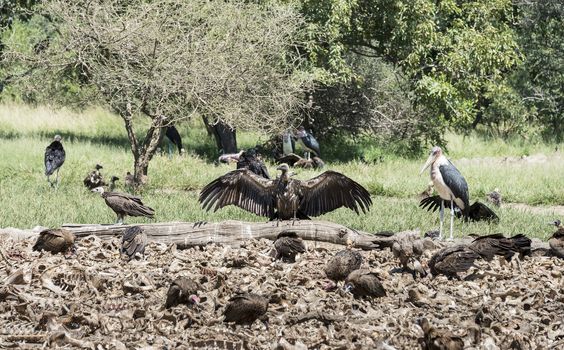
96, 136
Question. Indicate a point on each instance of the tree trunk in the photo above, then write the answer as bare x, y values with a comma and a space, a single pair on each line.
225, 137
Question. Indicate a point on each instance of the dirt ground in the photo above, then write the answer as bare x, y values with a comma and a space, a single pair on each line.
97, 300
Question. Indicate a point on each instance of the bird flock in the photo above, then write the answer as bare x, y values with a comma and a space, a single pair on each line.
251, 188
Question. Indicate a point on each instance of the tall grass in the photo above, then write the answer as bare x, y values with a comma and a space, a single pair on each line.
96, 136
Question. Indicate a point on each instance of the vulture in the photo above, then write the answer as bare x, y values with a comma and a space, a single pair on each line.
296, 161
408, 250
230, 157
94, 178
453, 192
451, 260
174, 136
133, 241
249, 159
494, 197
246, 308
55, 241
363, 283
435, 339
124, 204
342, 264
307, 141
182, 290
129, 180
288, 245
496, 244
556, 242
113, 182
54, 159
285, 198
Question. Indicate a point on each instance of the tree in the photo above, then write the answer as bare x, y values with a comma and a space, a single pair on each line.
167, 60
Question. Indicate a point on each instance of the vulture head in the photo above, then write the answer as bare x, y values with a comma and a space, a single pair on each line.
98, 167
436, 152
284, 168
98, 190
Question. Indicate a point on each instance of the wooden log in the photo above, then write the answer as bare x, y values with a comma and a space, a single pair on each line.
231, 232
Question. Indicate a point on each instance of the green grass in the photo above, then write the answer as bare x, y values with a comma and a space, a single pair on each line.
96, 136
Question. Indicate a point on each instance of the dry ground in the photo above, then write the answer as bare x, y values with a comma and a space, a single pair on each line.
97, 300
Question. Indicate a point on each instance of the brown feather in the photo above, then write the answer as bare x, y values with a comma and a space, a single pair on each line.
133, 241
245, 308
180, 291
342, 264
451, 260
435, 339
288, 245
126, 204
363, 283
54, 241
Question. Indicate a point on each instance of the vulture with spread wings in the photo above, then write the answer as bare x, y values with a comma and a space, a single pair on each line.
285, 198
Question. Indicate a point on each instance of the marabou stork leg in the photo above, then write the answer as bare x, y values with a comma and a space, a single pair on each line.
442, 217
451, 217
57, 178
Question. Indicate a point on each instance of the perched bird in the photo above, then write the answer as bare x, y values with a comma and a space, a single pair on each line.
285, 198
129, 180
113, 183
342, 264
453, 190
246, 308
54, 159
133, 241
124, 204
182, 290
296, 161
496, 244
94, 178
451, 260
494, 197
435, 339
55, 241
230, 157
308, 142
250, 160
288, 245
556, 242
363, 283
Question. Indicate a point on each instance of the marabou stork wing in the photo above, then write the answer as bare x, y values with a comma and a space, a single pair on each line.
433, 203
332, 190
479, 211
54, 157
131, 205
311, 143
455, 181
242, 188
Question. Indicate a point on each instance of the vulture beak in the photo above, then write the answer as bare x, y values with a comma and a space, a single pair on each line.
194, 299
427, 163
348, 287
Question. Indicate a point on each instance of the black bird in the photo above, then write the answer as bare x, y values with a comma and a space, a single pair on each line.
363, 283
285, 198
288, 245
55, 241
174, 136
113, 183
250, 160
307, 141
246, 308
54, 159
342, 264
496, 244
124, 204
453, 190
556, 242
182, 290
133, 241
94, 178
451, 260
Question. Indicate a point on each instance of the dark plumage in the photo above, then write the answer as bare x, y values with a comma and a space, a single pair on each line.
342, 264
363, 283
496, 244
94, 178
556, 242
296, 161
285, 198
54, 241
113, 181
174, 136
494, 197
288, 245
435, 339
307, 141
250, 160
475, 212
451, 260
124, 204
246, 308
182, 290
54, 158
133, 241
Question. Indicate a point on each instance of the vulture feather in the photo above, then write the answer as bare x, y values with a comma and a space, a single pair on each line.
182, 290
451, 260
496, 244
556, 242
288, 245
124, 204
94, 178
54, 241
342, 264
363, 283
285, 198
133, 241
246, 308
435, 339
249, 159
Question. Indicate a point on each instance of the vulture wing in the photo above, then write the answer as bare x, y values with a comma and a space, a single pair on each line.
133, 241
332, 190
131, 205
289, 159
242, 188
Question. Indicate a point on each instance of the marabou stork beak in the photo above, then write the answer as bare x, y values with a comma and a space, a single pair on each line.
427, 163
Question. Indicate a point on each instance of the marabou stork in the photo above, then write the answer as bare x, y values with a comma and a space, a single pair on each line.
54, 159
285, 198
453, 189
174, 136
307, 141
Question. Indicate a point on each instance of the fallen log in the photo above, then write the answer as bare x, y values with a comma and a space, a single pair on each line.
231, 232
